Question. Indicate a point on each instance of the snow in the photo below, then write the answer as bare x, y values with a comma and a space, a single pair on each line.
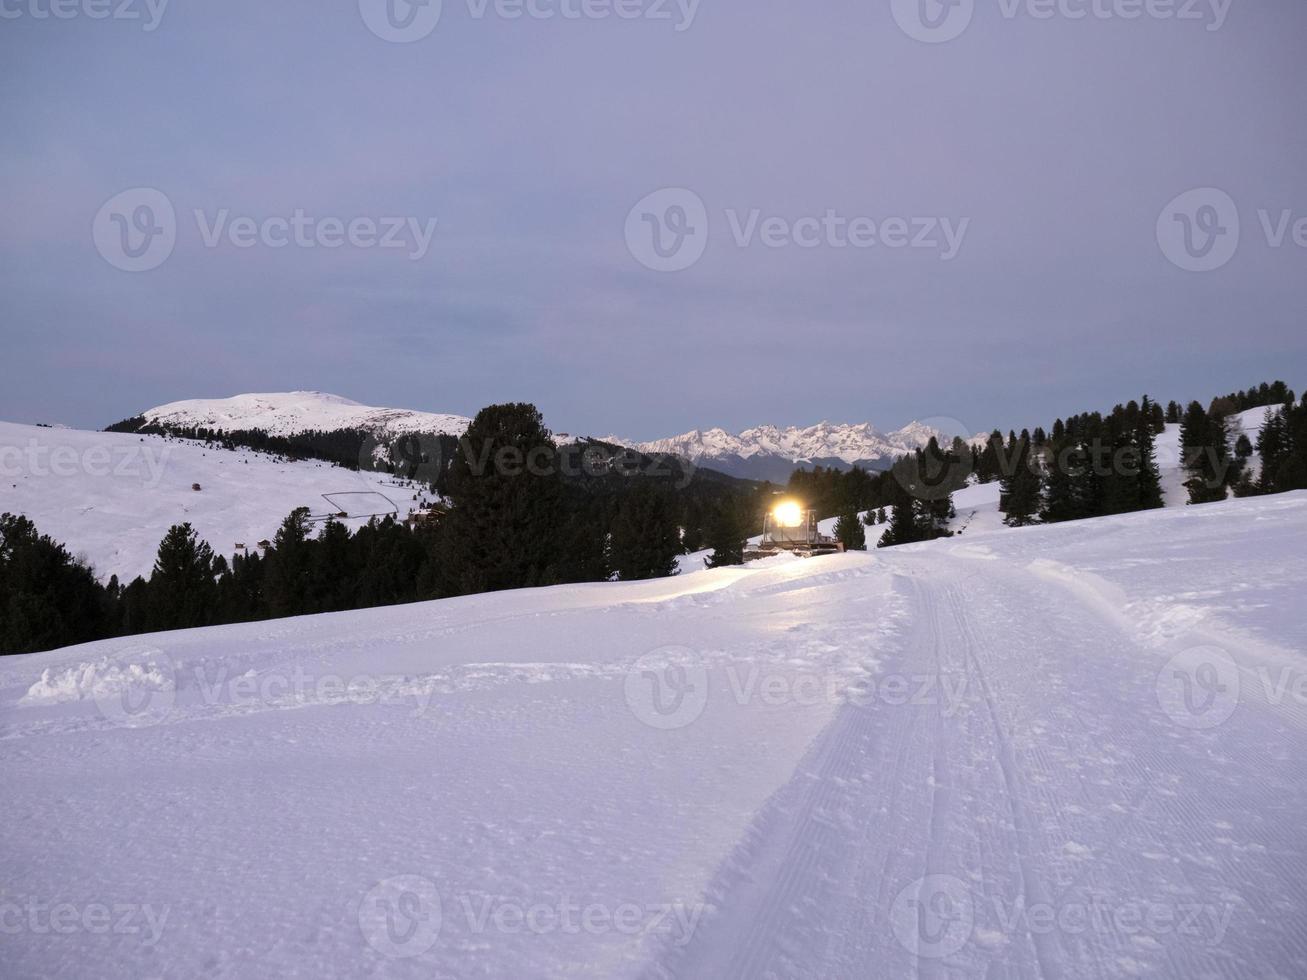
1167, 449
286, 413
851, 443
1076, 751
110, 497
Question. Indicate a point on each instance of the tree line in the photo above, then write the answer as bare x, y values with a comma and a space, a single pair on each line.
519, 511
1093, 465
516, 513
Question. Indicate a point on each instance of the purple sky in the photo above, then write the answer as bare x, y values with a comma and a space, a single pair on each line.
1059, 140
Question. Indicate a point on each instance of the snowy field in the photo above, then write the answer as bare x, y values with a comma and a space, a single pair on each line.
110, 497
1067, 751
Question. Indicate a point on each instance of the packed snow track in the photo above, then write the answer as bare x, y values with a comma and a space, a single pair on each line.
1072, 751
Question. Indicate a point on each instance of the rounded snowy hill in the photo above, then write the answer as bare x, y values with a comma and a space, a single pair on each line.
288, 413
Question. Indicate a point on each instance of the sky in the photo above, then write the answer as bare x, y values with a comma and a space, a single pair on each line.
698, 213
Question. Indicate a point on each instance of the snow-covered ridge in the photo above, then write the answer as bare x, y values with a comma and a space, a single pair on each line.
287, 413
850, 443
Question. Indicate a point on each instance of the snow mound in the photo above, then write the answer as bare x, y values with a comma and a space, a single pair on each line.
98, 679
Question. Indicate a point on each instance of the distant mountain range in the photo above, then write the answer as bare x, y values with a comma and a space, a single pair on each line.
768, 452
765, 452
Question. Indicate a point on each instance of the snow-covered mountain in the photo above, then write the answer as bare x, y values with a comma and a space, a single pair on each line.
762, 452
771, 452
287, 413
1069, 751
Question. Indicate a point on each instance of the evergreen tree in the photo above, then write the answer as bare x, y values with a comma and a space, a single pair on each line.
288, 567
850, 532
1149, 481
182, 588
240, 592
726, 536
1273, 448
645, 539
1019, 493
48, 599
989, 467
904, 527
1204, 454
503, 530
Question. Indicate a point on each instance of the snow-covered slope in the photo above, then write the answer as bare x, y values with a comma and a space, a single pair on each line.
110, 497
1167, 446
1073, 751
286, 413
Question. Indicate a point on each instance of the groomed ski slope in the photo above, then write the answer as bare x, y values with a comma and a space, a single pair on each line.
1067, 751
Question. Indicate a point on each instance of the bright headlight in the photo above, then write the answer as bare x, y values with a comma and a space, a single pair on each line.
788, 514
